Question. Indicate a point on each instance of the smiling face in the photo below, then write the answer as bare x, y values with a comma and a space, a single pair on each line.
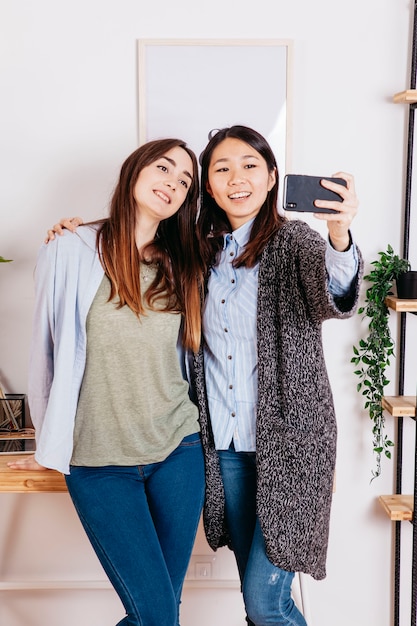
162, 186
238, 180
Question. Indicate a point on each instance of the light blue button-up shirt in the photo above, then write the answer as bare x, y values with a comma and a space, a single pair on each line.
229, 326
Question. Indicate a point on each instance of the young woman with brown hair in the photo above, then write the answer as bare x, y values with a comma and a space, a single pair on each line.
107, 396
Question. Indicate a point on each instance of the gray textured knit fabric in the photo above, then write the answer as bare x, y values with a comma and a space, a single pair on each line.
296, 425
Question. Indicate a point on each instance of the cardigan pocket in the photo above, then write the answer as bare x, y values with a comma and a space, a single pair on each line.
288, 440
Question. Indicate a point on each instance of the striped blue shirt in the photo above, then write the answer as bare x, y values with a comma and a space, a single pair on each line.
229, 327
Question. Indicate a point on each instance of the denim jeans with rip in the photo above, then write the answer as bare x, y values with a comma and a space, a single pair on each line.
266, 588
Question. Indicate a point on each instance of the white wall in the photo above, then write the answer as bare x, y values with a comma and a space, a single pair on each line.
68, 120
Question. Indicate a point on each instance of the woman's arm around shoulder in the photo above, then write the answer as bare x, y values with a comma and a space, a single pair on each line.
69, 223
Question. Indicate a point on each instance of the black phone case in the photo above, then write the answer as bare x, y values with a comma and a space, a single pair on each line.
300, 192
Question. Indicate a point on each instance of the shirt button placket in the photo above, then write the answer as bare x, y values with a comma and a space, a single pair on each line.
230, 355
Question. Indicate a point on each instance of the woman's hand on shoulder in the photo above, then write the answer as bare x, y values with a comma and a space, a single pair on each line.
29, 464
70, 223
339, 223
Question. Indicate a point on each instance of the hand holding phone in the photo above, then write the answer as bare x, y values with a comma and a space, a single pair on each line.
301, 191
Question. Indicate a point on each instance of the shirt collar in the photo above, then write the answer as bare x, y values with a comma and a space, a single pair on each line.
241, 235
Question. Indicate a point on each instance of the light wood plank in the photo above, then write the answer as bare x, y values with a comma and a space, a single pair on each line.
409, 96
401, 305
400, 406
398, 507
15, 434
17, 481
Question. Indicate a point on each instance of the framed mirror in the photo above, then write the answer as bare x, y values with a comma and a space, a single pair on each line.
188, 87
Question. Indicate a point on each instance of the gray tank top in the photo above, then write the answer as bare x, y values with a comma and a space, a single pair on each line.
133, 407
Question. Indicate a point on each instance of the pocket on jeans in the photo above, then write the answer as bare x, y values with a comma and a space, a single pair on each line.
191, 440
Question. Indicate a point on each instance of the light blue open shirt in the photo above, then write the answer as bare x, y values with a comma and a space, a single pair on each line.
229, 327
68, 274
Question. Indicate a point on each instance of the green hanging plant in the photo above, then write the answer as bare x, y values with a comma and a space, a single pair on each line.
373, 353
5, 260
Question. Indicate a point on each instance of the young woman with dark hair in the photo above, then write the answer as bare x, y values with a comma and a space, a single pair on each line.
266, 409
107, 396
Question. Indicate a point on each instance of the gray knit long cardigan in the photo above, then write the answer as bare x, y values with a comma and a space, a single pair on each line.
296, 425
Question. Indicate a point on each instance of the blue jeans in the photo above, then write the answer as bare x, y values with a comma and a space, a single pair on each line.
142, 522
266, 588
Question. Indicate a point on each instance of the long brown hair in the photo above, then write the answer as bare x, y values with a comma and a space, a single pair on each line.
174, 249
213, 222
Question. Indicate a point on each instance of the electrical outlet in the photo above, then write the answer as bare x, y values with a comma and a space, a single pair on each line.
202, 567
203, 571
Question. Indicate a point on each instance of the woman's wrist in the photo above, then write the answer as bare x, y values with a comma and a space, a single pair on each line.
341, 244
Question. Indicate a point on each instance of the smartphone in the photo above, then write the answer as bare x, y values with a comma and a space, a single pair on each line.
300, 192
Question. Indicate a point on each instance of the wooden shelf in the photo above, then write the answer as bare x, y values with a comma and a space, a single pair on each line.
18, 481
401, 305
409, 96
398, 507
15, 434
400, 406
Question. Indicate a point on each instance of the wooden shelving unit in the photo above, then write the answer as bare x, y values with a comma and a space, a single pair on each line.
398, 506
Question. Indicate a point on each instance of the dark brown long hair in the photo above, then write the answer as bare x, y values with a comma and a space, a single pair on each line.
213, 222
174, 249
